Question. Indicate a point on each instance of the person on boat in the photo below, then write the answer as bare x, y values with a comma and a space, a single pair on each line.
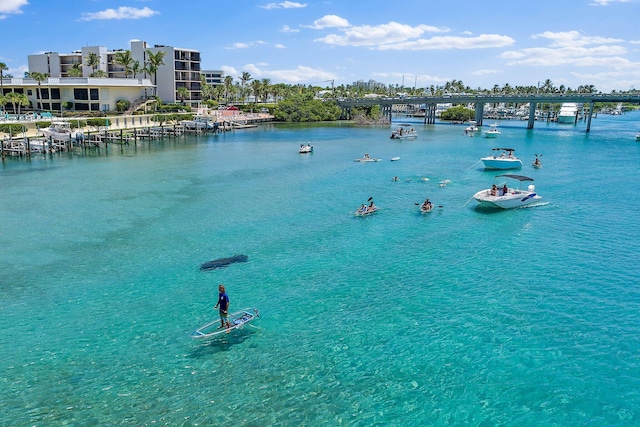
366, 155
371, 207
536, 162
494, 190
223, 303
362, 208
427, 204
505, 190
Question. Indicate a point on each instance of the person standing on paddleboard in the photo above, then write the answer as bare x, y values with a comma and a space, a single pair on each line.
223, 302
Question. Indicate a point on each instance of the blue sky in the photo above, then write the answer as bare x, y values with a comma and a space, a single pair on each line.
418, 43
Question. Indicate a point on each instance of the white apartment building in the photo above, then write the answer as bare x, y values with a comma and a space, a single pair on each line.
181, 68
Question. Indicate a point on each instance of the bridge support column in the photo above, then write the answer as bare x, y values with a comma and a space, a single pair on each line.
532, 114
479, 113
591, 105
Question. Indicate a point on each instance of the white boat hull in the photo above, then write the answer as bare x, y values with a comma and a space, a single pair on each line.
501, 163
514, 199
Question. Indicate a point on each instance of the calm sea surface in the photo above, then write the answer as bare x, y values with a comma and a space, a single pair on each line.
458, 317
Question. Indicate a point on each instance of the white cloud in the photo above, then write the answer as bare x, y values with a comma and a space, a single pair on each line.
300, 74
329, 21
484, 72
573, 38
122, 12
397, 36
238, 45
606, 2
287, 29
284, 5
280, 46
12, 6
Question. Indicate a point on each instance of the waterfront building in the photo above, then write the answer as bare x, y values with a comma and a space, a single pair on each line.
213, 77
181, 68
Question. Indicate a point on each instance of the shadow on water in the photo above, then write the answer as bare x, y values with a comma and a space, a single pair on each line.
221, 343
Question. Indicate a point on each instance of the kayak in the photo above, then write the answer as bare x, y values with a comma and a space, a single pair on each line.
425, 209
236, 321
366, 159
364, 212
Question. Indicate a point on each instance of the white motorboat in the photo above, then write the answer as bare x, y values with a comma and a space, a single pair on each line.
366, 158
493, 131
472, 128
505, 160
305, 148
200, 123
61, 131
404, 132
503, 196
569, 112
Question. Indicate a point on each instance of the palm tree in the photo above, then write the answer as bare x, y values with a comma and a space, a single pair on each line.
18, 99
183, 93
256, 87
39, 77
93, 61
99, 73
125, 59
244, 79
75, 70
228, 81
155, 61
266, 85
3, 67
135, 69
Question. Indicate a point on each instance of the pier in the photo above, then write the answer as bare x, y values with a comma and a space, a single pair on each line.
389, 104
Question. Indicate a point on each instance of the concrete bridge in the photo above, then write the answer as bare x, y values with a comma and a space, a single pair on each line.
386, 103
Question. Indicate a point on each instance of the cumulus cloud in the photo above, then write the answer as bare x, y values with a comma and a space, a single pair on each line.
284, 5
572, 48
607, 2
11, 7
300, 74
398, 36
122, 12
329, 21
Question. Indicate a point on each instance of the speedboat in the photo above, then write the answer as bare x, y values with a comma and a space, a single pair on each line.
61, 131
503, 196
493, 131
506, 160
472, 128
568, 113
366, 158
305, 148
404, 132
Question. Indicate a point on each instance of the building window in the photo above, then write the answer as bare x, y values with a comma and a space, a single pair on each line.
94, 94
46, 106
44, 93
55, 93
95, 106
80, 94
81, 106
29, 92
56, 106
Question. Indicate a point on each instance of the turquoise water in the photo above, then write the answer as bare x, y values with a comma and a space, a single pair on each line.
458, 317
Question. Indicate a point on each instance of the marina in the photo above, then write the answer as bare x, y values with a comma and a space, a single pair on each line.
464, 315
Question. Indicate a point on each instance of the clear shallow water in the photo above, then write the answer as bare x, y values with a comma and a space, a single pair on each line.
524, 317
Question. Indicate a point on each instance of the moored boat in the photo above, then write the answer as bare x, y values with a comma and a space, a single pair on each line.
404, 132
505, 160
569, 112
61, 131
503, 196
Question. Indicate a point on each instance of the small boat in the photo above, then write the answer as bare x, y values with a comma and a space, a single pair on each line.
638, 137
501, 196
200, 123
472, 128
61, 131
404, 132
365, 210
236, 321
493, 131
537, 163
366, 158
506, 160
426, 207
305, 148
395, 159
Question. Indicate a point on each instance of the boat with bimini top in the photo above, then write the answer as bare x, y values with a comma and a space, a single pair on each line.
508, 192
